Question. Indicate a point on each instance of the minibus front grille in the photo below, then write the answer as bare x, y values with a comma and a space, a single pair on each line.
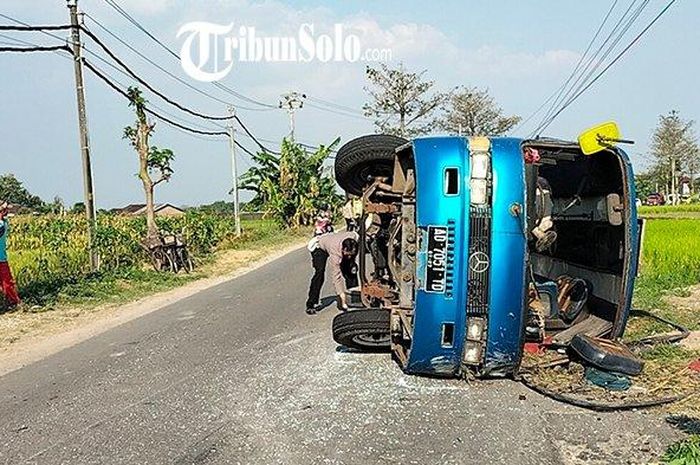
479, 260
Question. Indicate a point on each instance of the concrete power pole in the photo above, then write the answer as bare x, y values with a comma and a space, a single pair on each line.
234, 172
82, 124
292, 101
674, 189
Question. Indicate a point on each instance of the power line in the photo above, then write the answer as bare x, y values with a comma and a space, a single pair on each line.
114, 57
170, 51
159, 108
559, 91
335, 105
43, 31
53, 48
250, 134
337, 112
61, 27
616, 34
123, 93
133, 75
164, 70
604, 70
635, 15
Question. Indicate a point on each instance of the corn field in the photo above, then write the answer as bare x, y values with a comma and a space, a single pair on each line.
50, 252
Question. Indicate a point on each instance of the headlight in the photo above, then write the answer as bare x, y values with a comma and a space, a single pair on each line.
480, 166
475, 328
478, 191
472, 353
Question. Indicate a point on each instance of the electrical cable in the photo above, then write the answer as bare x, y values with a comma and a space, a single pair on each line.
164, 70
604, 70
559, 91
599, 406
53, 48
160, 109
682, 333
17, 21
123, 93
133, 21
61, 27
563, 93
616, 34
146, 84
335, 105
250, 134
134, 76
337, 112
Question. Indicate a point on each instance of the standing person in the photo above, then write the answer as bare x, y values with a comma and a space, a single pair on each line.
323, 223
6, 282
341, 248
352, 212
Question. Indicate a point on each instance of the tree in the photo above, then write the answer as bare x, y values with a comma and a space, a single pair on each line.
402, 103
13, 192
644, 184
474, 112
78, 208
57, 207
293, 186
675, 148
154, 163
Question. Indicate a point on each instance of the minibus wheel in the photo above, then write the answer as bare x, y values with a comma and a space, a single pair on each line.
362, 159
365, 330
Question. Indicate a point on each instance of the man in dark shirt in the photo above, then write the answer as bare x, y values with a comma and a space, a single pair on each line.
341, 248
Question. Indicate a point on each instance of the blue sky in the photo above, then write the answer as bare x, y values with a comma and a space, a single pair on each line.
520, 50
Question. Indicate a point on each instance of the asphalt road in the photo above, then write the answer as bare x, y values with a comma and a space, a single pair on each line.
239, 374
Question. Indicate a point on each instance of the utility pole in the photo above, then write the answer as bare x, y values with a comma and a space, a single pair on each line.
292, 101
673, 181
82, 124
234, 172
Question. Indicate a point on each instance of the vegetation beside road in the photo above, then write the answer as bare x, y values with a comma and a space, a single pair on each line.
670, 259
669, 274
71, 300
51, 267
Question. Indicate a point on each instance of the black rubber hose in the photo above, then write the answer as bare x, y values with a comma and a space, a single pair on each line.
682, 333
603, 407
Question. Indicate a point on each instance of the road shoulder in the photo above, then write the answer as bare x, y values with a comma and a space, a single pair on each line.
42, 340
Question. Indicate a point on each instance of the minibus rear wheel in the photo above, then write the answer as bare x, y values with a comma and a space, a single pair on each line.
365, 158
365, 330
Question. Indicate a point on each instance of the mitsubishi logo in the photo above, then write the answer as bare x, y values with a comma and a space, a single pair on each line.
478, 262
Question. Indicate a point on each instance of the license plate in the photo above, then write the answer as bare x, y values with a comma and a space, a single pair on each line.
437, 259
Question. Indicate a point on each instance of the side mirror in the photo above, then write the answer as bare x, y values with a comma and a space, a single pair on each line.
601, 137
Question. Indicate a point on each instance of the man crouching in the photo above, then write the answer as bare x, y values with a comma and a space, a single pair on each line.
341, 248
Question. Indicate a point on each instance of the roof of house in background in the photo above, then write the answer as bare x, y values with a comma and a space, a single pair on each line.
137, 208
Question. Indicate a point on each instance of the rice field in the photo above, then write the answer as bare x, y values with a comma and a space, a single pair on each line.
670, 264
661, 209
671, 251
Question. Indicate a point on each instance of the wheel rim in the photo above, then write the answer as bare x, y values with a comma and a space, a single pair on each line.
372, 339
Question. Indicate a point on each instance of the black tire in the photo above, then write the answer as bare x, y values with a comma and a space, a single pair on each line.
363, 158
366, 330
186, 261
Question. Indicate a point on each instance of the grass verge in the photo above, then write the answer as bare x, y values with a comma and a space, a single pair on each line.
87, 297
